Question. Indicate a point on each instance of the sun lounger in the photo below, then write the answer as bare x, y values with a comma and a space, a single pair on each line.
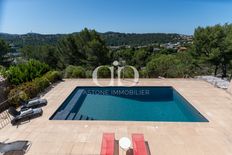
24, 115
14, 146
33, 103
139, 146
108, 144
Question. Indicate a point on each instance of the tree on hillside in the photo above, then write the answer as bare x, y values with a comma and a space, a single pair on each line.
82, 49
85, 48
171, 65
125, 54
141, 57
44, 53
212, 45
161, 65
228, 44
5, 59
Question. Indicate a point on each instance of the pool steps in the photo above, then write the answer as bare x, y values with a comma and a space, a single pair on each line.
74, 116
68, 109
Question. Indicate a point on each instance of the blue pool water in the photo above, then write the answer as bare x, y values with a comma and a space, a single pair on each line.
127, 104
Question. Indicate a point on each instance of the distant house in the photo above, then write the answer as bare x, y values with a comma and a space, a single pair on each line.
156, 49
181, 49
170, 46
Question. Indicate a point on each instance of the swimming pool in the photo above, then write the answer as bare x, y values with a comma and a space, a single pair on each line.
127, 104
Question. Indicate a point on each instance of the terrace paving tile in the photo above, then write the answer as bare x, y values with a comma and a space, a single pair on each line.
53, 137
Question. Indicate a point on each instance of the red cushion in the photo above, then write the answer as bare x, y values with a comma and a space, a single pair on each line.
107, 147
139, 147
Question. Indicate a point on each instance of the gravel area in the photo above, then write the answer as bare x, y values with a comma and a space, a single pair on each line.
218, 82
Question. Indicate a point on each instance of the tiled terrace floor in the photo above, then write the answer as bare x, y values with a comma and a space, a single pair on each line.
84, 138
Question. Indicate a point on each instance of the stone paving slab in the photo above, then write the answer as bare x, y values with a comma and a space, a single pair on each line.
51, 137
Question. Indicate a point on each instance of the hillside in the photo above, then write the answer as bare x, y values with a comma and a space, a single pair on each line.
30, 39
117, 39
111, 38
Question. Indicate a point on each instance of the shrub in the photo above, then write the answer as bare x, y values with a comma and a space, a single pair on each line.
75, 72
26, 72
2, 70
31, 89
143, 73
171, 66
162, 65
53, 76
69, 71
15, 95
41, 83
14, 75
127, 73
88, 74
78, 72
104, 72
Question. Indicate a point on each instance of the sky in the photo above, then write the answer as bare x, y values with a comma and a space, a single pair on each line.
130, 16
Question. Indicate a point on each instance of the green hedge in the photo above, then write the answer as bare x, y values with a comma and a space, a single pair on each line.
143, 73
127, 72
26, 72
104, 72
31, 89
75, 72
53, 76
88, 73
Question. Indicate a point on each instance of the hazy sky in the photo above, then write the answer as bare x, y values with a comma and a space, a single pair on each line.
65, 16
